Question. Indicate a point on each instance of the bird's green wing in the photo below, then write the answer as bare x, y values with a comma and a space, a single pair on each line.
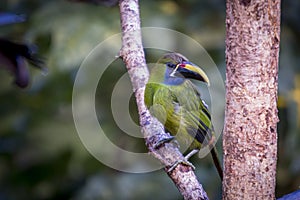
163, 105
195, 114
181, 110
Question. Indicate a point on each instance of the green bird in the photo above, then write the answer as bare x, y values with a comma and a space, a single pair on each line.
175, 101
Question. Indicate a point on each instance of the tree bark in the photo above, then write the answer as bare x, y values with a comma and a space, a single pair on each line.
250, 136
133, 55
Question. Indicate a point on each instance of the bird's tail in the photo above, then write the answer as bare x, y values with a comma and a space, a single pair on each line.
217, 162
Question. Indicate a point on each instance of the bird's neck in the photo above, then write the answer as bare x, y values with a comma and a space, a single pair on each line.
172, 80
162, 74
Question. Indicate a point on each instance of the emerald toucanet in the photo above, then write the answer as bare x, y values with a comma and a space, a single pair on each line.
175, 101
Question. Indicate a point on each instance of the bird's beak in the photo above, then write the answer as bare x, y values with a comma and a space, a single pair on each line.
190, 70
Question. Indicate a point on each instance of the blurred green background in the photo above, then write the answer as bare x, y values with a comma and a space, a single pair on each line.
41, 155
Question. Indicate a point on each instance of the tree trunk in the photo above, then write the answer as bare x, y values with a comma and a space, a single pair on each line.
250, 136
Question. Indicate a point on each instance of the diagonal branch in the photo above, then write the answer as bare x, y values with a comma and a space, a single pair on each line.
133, 55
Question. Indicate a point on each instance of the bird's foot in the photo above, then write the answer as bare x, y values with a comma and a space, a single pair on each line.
185, 162
191, 153
163, 141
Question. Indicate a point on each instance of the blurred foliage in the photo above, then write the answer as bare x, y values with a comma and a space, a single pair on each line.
41, 156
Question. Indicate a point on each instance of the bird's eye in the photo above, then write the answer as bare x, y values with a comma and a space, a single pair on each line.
171, 65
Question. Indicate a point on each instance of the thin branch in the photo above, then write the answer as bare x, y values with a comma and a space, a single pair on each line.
133, 55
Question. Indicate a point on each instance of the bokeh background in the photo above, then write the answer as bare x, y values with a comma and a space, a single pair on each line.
41, 155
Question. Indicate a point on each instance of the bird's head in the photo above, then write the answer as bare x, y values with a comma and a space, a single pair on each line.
182, 67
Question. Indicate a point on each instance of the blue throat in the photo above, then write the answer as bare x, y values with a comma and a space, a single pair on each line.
170, 80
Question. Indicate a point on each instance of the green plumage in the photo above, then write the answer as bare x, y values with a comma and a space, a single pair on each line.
175, 101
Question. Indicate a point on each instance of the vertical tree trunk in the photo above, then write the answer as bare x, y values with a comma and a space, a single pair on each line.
250, 137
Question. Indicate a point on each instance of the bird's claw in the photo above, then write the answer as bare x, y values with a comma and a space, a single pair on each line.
185, 162
163, 141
